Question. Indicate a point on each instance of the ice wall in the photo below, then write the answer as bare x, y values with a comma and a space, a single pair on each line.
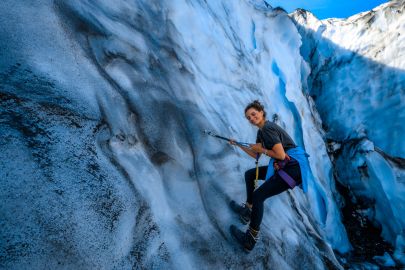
103, 162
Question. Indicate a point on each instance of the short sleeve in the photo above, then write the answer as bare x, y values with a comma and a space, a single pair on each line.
271, 137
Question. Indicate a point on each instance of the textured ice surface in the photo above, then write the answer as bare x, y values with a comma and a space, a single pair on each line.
103, 162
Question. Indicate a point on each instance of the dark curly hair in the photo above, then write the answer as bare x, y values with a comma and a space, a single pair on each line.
256, 105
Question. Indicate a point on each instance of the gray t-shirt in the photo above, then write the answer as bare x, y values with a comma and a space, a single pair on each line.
271, 134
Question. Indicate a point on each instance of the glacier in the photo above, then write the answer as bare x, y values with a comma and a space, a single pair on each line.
361, 60
103, 160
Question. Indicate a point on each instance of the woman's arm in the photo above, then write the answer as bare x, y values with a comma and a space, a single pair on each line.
248, 151
276, 152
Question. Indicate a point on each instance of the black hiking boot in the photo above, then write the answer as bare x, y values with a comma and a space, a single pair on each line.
243, 211
246, 239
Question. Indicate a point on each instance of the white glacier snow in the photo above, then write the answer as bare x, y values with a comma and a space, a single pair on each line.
103, 159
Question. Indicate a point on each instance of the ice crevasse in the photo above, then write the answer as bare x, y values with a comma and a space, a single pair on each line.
361, 60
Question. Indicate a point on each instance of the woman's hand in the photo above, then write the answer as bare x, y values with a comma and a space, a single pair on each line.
247, 150
258, 148
275, 163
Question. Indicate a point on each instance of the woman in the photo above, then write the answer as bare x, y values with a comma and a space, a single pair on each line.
274, 142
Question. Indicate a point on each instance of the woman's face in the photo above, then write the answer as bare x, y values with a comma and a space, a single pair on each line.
254, 116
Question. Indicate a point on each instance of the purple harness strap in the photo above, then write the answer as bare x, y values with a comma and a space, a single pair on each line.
288, 179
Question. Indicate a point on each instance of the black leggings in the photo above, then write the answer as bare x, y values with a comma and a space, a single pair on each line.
275, 185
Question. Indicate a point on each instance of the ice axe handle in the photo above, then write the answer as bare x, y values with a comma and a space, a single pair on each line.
226, 139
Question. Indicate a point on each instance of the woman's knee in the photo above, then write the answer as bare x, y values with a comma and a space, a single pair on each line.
258, 198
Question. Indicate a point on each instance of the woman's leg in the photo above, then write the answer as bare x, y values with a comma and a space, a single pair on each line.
275, 185
271, 187
250, 176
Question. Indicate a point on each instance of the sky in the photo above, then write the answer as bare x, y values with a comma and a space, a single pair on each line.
328, 8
